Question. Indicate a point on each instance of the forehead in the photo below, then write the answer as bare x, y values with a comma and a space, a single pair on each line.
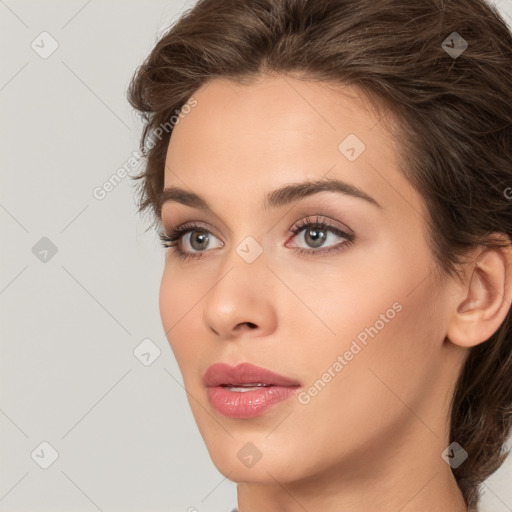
280, 104
263, 134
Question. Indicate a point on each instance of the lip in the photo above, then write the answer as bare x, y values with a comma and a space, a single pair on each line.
221, 374
246, 404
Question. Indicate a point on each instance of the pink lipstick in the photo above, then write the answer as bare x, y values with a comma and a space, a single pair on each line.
245, 390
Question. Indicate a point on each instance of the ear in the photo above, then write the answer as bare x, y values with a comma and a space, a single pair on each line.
484, 299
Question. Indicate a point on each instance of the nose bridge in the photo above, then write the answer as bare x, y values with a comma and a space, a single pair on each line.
248, 259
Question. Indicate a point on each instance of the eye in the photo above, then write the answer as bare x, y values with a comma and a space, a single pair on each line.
317, 232
198, 240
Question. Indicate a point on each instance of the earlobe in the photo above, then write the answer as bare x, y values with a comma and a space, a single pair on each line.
486, 298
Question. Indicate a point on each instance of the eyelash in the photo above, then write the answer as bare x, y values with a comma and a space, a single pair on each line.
171, 241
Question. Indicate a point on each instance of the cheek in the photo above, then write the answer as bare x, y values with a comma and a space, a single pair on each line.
387, 334
181, 291
167, 302
365, 399
167, 305
399, 350
177, 301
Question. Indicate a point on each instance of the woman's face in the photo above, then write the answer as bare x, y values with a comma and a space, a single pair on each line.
356, 319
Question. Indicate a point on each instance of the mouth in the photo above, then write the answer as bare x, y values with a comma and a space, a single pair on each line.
246, 391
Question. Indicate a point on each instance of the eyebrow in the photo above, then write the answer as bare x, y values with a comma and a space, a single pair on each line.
275, 199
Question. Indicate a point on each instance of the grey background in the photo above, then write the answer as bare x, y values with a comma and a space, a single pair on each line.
71, 321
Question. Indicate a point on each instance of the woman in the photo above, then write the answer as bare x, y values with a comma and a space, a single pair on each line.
335, 200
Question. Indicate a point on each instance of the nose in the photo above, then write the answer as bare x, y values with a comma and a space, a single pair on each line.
241, 303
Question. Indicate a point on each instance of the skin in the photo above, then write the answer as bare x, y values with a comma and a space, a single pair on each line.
372, 438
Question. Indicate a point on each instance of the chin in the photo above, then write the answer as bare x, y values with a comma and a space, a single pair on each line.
242, 462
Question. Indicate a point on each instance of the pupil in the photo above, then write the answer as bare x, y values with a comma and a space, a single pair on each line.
318, 236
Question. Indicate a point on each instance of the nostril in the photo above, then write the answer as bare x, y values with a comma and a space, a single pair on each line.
248, 324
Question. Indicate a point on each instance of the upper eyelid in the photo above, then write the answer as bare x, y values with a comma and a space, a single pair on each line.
187, 227
299, 226
304, 219
323, 220
299, 209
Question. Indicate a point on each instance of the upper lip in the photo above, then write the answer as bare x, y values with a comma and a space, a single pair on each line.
245, 373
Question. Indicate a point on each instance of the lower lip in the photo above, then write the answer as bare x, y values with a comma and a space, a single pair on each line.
248, 404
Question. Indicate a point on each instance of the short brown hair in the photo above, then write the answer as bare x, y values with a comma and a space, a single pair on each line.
455, 118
